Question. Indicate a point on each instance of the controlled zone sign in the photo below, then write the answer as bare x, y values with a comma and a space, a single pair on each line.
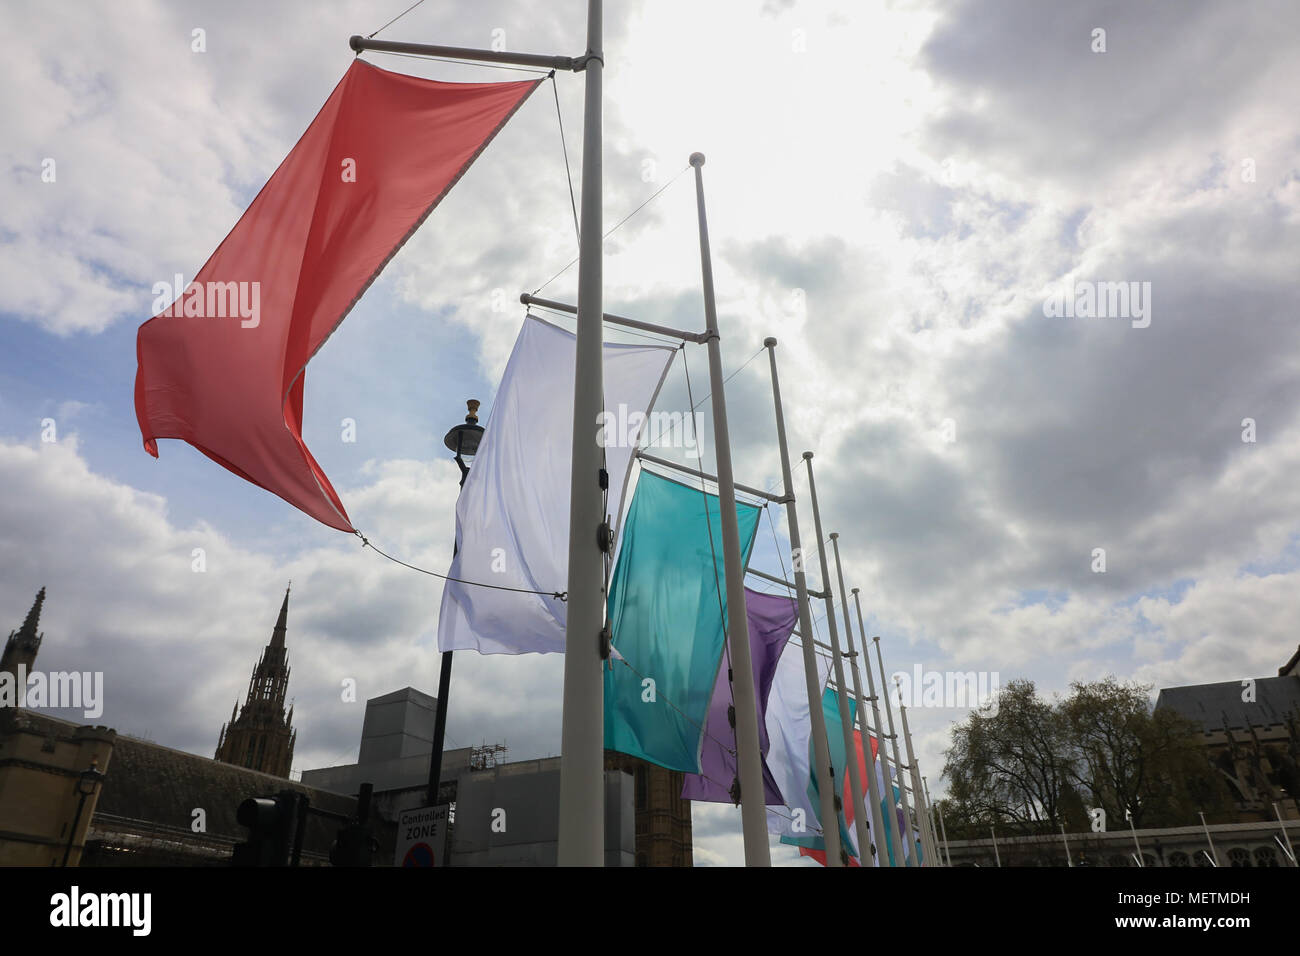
422, 837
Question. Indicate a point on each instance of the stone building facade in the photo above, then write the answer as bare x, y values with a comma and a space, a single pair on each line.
1250, 730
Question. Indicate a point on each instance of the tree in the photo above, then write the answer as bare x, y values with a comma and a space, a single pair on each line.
1010, 763
1131, 759
1032, 765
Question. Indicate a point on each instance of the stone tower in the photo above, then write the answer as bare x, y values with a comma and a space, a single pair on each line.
22, 645
261, 737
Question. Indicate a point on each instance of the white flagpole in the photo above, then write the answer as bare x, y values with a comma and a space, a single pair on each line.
871, 791
1128, 815
910, 848
1286, 836
1208, 838
837, 661
582, 735
749, 759
823, 772
1066, 840
947, 850
929, 816
891, 818
918, 795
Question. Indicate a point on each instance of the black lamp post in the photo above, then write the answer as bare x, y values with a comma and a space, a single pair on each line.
463, 440
87, 781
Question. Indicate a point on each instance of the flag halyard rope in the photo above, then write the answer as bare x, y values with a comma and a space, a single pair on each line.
365, 543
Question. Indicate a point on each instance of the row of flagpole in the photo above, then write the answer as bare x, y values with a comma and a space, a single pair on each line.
581, 817
866, 798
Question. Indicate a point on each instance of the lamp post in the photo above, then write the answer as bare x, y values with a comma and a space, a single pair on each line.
463, 440
87, 781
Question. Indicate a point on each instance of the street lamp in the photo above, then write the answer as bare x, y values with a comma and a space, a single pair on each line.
87, 781
463, 440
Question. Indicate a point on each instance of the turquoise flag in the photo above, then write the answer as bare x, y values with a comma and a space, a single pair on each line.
667, 607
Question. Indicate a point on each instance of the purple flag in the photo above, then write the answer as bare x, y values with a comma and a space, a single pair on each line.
771, 619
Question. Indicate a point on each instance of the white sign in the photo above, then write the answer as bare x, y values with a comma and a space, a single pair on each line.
422, 837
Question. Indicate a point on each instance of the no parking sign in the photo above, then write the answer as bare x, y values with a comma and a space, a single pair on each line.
422, 837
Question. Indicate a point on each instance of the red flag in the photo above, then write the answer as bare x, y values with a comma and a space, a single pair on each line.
222, 366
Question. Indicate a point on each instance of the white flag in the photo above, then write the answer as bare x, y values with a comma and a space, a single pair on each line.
512, 518
789, 728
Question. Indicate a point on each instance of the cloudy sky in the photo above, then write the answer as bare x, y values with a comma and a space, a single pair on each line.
895, 191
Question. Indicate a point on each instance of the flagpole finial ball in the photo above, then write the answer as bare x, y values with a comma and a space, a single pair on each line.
807, 456
854, 590
696, 160
355, 43
835, 535
769, 342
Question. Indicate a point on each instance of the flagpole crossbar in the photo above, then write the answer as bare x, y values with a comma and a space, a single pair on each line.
816, 643
782, 581
699, 338
766, 495
545, 61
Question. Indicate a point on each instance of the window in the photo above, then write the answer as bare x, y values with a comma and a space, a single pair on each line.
1265, 856
1179, 858
1238, 856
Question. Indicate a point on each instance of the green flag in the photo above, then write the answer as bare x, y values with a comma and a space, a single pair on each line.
667, 607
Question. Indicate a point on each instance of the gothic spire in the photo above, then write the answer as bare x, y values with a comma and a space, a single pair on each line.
28, 631
282, 623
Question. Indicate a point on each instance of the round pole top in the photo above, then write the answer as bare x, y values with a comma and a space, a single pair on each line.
835, 535
769, 342
853, 590
807, 456
696, 160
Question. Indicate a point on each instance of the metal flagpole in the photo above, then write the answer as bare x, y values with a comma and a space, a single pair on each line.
582, 753
918, 795
947, 850
908, 847
871, 791
837, 661
996, 855
1286, 836
1066, 841
1128, 815
929, 817
1208, 839
891, 818
749, 759
582, 816
823, 772
930, 839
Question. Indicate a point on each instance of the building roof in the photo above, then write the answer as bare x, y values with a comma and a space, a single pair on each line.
151, 783
1207, 704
